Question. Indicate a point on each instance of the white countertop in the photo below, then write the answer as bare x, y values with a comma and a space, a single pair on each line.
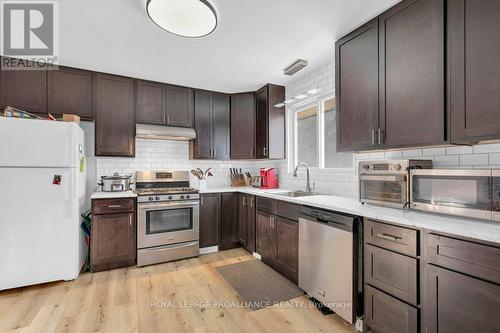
113, 195
466, 227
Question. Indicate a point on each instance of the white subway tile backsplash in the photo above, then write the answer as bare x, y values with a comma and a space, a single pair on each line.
410, 153
458, 150
433, 151
446, 160
474, 159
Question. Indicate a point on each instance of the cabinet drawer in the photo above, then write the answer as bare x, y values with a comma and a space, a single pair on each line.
391, 272
478, 260
287, 210
266, 205
385, 314
110, 206
390, 237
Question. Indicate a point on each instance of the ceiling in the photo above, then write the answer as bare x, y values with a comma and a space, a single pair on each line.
253, 42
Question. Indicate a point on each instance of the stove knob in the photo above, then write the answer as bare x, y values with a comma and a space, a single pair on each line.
365, 167
170, 197
188, 196
151, 198
182, 197
397, 166
157, 198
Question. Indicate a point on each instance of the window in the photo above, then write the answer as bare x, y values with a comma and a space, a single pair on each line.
314, 137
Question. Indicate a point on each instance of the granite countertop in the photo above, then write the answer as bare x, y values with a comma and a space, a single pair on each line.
466, 227
113, 195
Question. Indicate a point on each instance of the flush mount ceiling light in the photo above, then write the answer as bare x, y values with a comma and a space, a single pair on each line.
186, 18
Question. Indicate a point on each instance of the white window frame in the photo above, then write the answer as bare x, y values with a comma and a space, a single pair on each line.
292, 148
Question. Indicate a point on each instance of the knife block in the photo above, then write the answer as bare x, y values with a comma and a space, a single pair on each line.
238, 180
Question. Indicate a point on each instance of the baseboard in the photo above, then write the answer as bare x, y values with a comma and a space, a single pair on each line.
210, 249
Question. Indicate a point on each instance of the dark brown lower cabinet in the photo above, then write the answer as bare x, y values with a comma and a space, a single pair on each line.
265, 245
386, 314
229, 217
246, 221
113, 240
210, 219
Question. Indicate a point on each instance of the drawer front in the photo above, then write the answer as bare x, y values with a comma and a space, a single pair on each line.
385, 314
398, 239
391, 272
266, 205
111, 206
478, 260
287, 210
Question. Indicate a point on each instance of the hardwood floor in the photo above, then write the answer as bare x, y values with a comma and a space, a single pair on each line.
155, 299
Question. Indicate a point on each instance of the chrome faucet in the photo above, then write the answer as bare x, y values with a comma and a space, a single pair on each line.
309, 188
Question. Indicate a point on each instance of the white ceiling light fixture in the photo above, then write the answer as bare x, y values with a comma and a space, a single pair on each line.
185, 18
298, 97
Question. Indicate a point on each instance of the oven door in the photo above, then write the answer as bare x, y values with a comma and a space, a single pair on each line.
167, 223
388, 190
456, 192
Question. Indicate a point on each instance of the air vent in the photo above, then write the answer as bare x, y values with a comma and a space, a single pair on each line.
295, 67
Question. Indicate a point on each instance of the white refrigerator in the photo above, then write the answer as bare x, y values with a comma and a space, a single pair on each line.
42, 189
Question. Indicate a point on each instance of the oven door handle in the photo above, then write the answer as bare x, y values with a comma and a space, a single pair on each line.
168, 205
384, 178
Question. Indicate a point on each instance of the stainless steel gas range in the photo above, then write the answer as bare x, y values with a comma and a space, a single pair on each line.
167, 217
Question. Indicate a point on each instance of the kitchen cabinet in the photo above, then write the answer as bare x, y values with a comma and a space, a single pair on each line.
246, 221
69, 90
277, 237
210, 215
161, 104
24, 89
474, 70
113, 237
378, 107
356, 76
212, 126
270, 122
463, 286
228, 222
411, 45
243, 126
114, 115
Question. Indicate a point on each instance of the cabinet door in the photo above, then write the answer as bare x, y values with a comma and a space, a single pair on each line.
250, 223
243, 126
150, 103
209, 220
229, 216
70, 91
114, 116
220, 126
356, 77
474, 65
113, 241
202, 145
265, 236
24, 89
276, 122
262, 124
179, 106
287, 244
242, 218
412, 107
459, 303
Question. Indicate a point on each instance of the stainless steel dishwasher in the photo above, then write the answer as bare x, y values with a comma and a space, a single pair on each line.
330, 250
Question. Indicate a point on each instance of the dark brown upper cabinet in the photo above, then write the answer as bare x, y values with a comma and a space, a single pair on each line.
24, 89
150, 103
270, 122
179, 105
161, 104
356, 78
412, 74
69, 90
390, 80
243, 126
212, 126
114, 115
474, 70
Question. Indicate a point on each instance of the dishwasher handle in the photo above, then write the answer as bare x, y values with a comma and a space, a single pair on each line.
330, 223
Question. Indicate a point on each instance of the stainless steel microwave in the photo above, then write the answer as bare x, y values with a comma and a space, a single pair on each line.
468, 193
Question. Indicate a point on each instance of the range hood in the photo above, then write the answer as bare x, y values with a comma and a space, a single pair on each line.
159, 132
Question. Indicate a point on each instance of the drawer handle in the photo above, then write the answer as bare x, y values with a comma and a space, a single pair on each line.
388, 237
114, 206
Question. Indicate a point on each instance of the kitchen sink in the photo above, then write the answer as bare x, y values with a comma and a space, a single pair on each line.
294, 194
